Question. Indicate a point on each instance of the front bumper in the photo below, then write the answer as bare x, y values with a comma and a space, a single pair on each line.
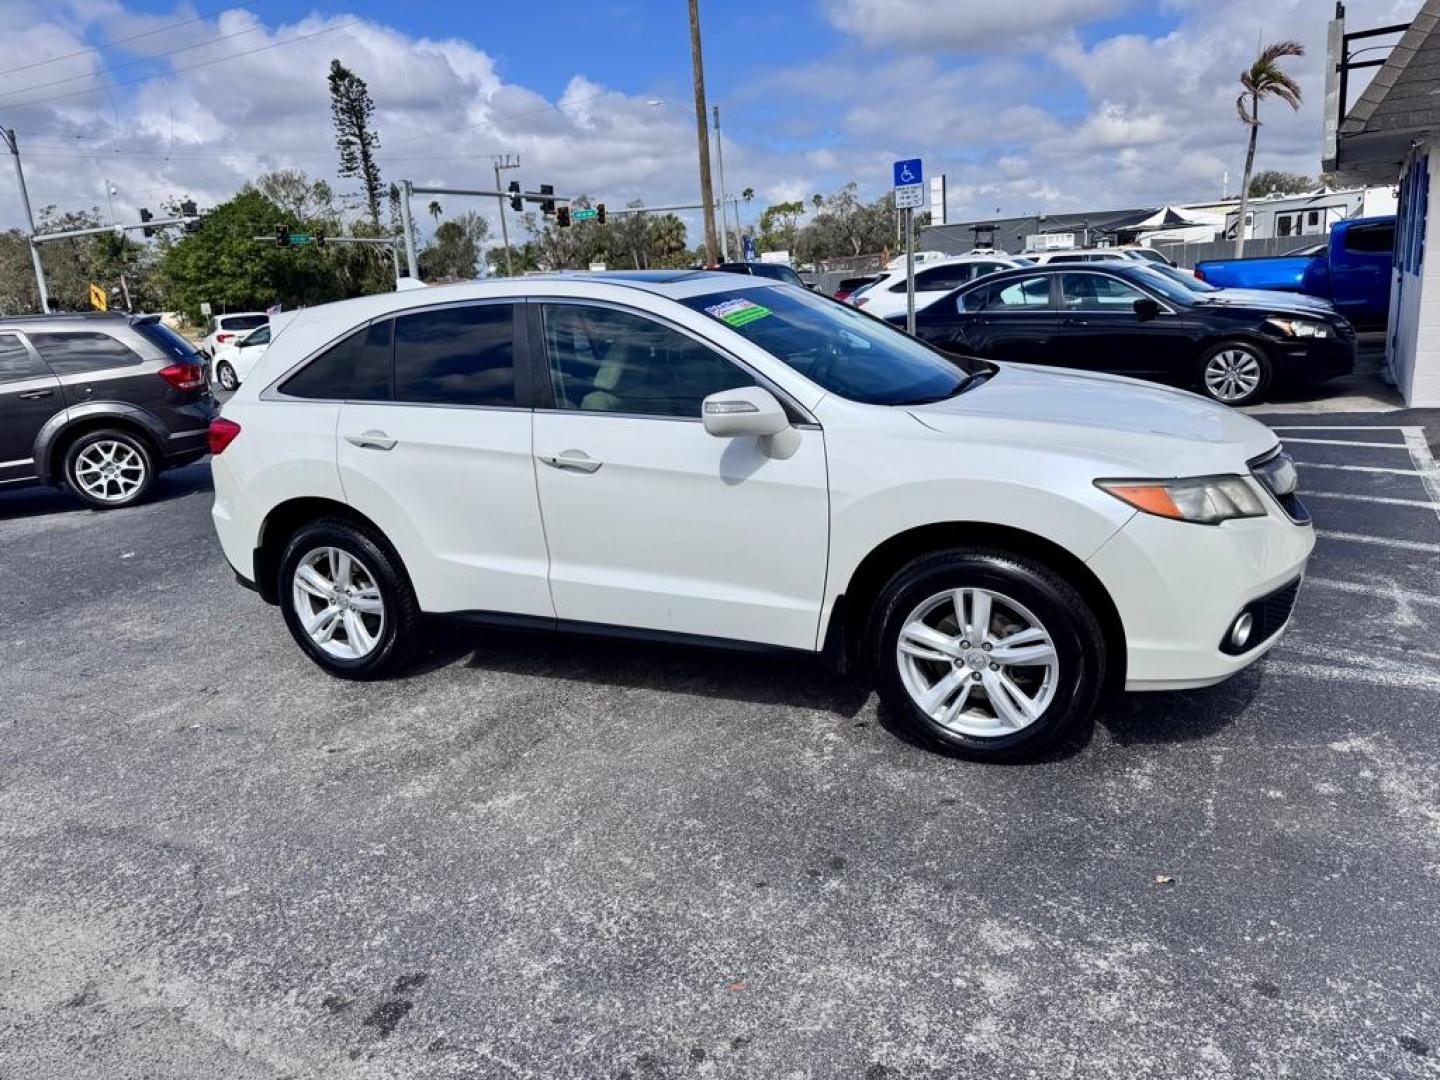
1313, 358
1179, 587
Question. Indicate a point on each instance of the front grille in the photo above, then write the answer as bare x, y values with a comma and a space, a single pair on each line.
1270, 614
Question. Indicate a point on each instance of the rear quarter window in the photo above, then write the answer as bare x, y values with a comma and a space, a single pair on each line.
1370, 239
167, 341
78, 352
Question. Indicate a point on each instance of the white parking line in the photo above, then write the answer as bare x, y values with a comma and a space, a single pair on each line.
1360, 468
1420, 503
1371, 589
1424, 461
1383, 541
1350, 442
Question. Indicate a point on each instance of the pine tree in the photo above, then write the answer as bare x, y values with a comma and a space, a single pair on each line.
352, 110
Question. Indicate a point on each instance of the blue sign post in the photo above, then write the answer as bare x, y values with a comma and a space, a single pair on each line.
909, 193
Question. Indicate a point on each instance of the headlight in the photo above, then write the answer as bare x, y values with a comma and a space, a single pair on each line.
1207, 500
1299, 328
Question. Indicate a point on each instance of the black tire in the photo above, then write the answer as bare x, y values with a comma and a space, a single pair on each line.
1255, 353
399, 640
109, 491
225, 376
1079, 647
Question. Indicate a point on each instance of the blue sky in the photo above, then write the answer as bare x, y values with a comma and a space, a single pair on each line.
1038, 105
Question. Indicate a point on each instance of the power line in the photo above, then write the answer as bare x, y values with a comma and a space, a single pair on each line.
190, 67
137, 60
107, 45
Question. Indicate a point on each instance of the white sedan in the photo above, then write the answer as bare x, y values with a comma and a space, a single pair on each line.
721, 459
935, 279
234, 361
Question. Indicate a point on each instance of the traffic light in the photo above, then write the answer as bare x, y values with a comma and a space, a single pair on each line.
562, 217
600, 213
547, 206
319, 237
282, 236
146, 215
516, 203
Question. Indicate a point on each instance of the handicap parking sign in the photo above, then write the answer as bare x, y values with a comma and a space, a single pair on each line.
908, 173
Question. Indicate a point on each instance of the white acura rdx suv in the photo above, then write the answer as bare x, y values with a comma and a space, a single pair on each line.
726, 460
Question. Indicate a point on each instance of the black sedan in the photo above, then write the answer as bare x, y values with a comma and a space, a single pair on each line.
1132, 320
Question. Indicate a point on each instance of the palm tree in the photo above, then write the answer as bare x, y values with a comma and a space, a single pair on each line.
435, 210
1264, 78
817, 199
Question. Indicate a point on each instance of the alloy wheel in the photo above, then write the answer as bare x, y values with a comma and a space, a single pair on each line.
1232, 374
977, 663
226, 375
339, 604
110, 470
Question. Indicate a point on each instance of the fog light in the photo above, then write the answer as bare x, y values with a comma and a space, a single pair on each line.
1240, 632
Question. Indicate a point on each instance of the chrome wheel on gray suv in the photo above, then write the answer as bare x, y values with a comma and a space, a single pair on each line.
1235, 373
108, 469
986, 653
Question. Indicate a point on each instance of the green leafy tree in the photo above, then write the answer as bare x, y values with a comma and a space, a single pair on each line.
779, 224
353, 112
454, 253
1265, 78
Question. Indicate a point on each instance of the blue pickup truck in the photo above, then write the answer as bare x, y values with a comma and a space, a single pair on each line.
1352, 271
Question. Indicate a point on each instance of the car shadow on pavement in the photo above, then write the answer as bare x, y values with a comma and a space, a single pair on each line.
753, 677
37, 501
1181, 715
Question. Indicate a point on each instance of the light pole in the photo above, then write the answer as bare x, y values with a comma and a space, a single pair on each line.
505, 161
7, 135
720, 165
702, 136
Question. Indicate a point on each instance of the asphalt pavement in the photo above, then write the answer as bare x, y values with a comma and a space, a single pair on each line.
552, 857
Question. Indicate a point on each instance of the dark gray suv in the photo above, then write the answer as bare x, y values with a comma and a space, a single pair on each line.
98, 402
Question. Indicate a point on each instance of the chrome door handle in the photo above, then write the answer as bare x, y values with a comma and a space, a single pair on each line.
573, 460
34, 395
371, 440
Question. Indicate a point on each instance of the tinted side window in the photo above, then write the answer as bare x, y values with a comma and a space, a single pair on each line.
944, 277
356, 368
79, 352
1097, 292
1027, 293
456, 356
259, 336
605, 360
16, 362
167, 341
1371, 239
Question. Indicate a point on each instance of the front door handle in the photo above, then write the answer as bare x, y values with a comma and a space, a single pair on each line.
572, 460
371, 440
34, 395
1075, 320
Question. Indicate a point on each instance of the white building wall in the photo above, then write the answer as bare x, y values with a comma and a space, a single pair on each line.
1413, 347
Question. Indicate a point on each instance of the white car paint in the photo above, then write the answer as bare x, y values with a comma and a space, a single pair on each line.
241, 355
934, 279
686, 532
227, 329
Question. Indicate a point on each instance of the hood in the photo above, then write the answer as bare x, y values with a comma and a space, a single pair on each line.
1126, 426
1267, 302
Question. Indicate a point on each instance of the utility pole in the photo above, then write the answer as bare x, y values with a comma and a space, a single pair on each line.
412, 264
702, 134
720, 164
505, 161
7, 135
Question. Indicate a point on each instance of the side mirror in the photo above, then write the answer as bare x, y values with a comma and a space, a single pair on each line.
750, 410
1146, 309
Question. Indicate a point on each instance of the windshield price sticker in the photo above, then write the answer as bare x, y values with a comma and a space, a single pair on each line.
738, 312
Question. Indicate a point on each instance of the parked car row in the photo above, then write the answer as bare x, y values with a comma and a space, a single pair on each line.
727, 460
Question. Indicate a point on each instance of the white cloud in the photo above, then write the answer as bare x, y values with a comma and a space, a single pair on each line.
970, 26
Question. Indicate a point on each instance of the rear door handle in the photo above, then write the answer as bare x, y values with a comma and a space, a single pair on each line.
573, 461
34, 395
1075, 320
371, 440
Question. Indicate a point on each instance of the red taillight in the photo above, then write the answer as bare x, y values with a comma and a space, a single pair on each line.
220, 339
184, 376
1199, 273
222, 434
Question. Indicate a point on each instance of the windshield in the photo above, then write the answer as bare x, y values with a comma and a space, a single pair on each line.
1185, 279
835, 346
1152, 278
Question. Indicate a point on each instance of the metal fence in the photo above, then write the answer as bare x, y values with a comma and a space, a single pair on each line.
1188, 254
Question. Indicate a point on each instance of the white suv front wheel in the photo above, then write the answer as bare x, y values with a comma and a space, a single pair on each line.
989, 655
